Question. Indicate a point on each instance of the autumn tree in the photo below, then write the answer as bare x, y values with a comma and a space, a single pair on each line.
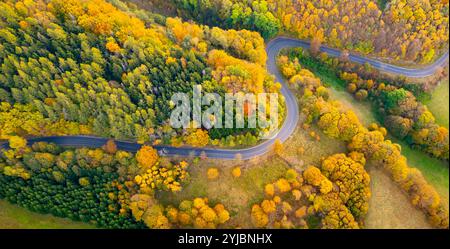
212, 173
110, 146
198, 213
353, 181
315, 46
146, 208
277, 147
197, 138
371, 143
147, 156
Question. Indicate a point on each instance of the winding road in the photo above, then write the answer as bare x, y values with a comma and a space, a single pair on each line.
288, 127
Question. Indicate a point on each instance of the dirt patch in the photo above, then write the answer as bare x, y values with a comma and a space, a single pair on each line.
307, 146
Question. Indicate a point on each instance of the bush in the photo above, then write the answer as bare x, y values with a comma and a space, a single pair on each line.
236, 172
212, 173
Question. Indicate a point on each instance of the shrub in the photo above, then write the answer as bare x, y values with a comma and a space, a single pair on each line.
236, 172
212, 173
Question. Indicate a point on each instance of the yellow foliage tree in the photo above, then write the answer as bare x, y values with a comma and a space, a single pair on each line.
197, 138
147, 156
269, 189
283, 185
278, 147
112, 47
17, 143
268, 206
212, 173
259, 218
236, 172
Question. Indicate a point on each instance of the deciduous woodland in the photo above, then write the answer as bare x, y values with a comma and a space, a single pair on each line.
86, 67
398, 108
370, 141
408, 30
108, 69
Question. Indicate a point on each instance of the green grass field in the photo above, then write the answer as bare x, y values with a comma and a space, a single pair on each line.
438, 104
14, 217
435, 171
362, 109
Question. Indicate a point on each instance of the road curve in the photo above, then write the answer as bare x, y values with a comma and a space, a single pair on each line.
288, 127
428, 70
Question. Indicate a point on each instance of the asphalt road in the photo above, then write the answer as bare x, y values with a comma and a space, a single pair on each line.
428, 70
288, 127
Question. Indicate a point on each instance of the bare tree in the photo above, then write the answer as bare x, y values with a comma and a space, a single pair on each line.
315, 46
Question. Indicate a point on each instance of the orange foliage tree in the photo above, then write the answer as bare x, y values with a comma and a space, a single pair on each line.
147, 156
